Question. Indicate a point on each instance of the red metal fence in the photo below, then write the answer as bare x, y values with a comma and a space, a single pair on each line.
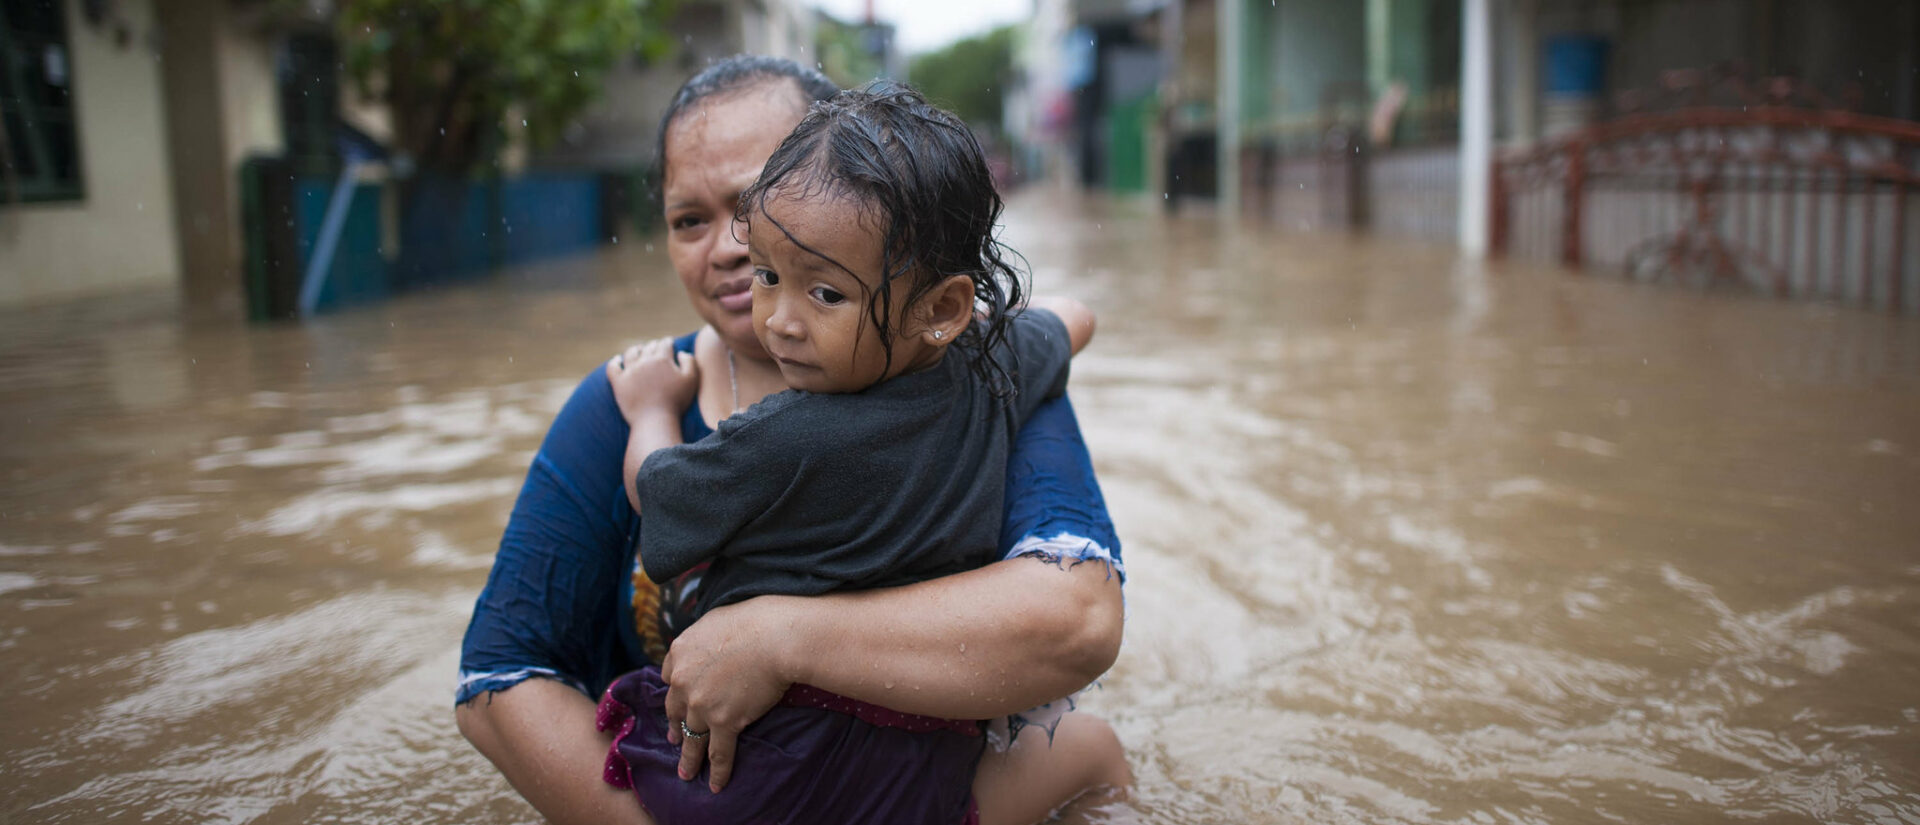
1789, 201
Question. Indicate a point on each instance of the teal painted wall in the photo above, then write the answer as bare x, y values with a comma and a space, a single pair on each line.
1316, 44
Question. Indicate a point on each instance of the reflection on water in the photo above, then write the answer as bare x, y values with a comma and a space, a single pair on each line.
1410, 540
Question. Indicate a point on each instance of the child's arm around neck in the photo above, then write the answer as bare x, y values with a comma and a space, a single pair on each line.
653, 386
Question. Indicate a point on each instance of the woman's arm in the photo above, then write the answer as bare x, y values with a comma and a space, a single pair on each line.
974, 645
541, 735
542, 634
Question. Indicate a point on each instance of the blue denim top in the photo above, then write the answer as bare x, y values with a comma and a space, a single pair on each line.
558, 603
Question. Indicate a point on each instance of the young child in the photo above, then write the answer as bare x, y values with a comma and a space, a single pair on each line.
883, 296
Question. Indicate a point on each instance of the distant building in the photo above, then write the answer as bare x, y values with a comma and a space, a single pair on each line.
620, 129
1038, 108
1388, 115
853, 53
124, 125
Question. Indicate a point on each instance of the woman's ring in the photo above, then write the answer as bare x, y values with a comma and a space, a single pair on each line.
688, 732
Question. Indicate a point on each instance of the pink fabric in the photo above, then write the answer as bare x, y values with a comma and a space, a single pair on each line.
611, 713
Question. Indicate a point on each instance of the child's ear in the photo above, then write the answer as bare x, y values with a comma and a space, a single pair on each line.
946, 310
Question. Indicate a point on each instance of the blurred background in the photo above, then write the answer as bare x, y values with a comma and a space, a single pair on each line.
1510, 408
277, 157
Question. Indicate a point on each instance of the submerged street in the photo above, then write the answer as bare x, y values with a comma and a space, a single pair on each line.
1408, 539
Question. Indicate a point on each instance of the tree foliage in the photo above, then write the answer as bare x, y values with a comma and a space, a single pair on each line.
969, 77
846, 53
451, 71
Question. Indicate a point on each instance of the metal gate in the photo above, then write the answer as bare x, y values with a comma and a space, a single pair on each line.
1789, 201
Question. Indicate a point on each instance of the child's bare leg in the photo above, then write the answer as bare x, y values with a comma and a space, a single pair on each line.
1028, 781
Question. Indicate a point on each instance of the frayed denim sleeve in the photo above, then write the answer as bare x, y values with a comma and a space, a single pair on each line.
1068, 550
550, 603
1054, 513
1054, 510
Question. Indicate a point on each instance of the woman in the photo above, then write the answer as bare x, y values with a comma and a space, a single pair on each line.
552, 627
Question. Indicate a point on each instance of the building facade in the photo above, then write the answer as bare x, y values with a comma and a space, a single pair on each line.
88, 201
1456, 121
129, 127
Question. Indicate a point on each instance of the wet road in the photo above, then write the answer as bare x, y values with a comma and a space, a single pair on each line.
1410, 540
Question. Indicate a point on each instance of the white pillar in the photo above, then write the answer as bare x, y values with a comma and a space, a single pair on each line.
1476, 123
1229, 18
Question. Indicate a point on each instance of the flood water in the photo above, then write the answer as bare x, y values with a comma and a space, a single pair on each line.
1409, 540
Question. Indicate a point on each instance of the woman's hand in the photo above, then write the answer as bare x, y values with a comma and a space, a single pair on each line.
722, 674
983, 643
652, 377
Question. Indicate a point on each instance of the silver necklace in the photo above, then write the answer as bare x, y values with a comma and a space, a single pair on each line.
733, 381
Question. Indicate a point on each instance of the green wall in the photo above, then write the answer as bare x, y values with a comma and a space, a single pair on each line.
1317, 44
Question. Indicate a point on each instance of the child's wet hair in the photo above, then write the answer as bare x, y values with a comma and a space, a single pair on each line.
919, 174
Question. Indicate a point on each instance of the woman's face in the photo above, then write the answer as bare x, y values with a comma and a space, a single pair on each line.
714, 151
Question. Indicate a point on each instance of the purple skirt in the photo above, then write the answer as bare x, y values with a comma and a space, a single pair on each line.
816, 757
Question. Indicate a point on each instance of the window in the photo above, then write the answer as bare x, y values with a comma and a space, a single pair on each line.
39, 147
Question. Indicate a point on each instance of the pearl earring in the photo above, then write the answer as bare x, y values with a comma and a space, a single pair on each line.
938, 334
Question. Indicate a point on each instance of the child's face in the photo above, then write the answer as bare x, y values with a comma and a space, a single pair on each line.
811, 314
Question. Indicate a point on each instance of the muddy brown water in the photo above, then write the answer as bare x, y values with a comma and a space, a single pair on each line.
1409, 539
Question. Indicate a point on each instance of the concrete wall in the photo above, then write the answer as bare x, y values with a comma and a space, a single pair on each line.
121, 233
222, 104
778, 28
249, 93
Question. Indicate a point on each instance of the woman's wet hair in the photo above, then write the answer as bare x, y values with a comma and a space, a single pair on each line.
735, 74
918, 174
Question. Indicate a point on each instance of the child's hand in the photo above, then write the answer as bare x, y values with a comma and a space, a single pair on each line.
653, 377
1078, 318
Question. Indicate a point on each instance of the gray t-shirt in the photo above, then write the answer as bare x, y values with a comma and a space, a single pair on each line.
807, 493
